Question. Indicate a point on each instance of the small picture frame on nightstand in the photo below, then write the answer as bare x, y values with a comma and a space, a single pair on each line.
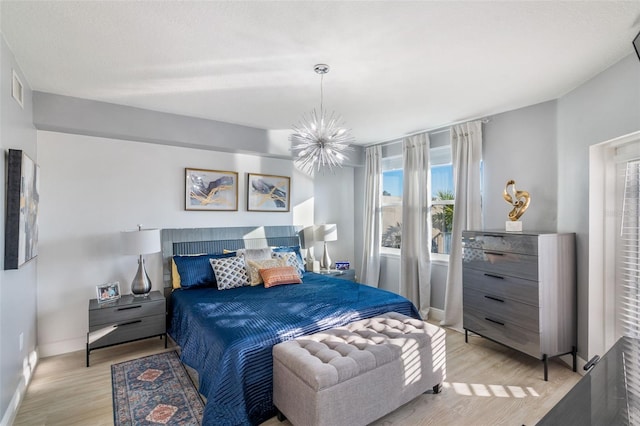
343, 266
108, 292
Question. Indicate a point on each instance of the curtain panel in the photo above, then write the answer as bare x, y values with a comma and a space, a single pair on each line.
466, 152
415, 253
372, 216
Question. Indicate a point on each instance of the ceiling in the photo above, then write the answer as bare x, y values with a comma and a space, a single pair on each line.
396, 67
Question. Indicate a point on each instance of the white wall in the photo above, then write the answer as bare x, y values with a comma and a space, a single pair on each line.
603, 108
92, 188
17, 287
334, 203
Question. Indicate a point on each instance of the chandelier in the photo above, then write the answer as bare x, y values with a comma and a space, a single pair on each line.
319, 141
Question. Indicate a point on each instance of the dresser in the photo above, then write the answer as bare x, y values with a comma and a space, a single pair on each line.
519, 289
126, 319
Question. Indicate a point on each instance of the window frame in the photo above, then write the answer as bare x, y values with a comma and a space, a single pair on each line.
441, 258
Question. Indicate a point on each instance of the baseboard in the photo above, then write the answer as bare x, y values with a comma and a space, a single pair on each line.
436, 314
63, 347
580, 363
29, 366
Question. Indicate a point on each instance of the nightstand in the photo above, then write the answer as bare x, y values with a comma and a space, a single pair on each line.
125, 320
346, 274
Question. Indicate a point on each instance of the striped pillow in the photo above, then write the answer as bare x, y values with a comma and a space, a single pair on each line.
280, 275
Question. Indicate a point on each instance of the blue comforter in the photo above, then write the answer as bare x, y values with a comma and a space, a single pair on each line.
227, 336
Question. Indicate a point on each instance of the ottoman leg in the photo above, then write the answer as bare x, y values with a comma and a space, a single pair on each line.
281, 417
437, 388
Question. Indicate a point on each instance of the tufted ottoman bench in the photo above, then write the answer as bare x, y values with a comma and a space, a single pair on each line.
355, 374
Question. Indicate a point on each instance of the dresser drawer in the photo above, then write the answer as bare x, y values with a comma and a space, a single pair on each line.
115, 314
502, 309
512, 243
512, 264
519, 289
506, 333
134, 329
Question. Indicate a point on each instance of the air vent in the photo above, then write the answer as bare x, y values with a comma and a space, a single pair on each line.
17, 90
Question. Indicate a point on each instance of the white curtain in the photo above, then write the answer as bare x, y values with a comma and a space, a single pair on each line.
415, 253
372, 216
466, 152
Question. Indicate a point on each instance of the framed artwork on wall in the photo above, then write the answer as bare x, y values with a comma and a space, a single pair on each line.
268, 193
211, 190
23, 197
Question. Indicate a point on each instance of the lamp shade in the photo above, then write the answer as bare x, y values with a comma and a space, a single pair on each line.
327, 232
307, 237
141, 241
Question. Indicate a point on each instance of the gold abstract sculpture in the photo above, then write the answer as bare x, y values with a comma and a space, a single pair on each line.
518, 199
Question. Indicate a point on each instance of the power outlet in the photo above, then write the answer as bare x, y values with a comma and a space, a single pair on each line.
21, 338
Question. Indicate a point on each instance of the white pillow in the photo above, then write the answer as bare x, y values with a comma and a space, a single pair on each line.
255, 254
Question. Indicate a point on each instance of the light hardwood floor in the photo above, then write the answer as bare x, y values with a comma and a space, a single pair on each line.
486, 384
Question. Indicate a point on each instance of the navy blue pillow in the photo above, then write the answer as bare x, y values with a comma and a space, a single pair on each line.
196, 271
294, 249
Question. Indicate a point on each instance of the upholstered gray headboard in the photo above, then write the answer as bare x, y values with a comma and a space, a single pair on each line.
215, 240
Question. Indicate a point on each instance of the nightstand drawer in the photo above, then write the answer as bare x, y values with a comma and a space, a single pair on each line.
495, 262
520, 289
120, 313
502, 332
502, 309
133, 329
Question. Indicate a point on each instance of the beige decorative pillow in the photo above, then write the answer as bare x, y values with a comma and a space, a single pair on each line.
280, 275
254, 266
175, 275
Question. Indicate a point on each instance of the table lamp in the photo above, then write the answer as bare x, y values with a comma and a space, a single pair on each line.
140, 242
324, 233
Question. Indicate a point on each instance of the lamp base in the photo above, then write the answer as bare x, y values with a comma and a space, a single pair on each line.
141, 284
325, 262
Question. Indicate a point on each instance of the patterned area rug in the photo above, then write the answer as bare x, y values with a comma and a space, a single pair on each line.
154, 390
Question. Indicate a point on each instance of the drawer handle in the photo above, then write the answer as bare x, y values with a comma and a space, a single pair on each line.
130, 307
128, 323
495, 253
493, 236
494, 321
494, 276
495, 298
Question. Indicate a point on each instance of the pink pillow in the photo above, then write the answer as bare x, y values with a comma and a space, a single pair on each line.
280, 275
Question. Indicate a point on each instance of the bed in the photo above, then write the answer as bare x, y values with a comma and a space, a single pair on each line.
227, 336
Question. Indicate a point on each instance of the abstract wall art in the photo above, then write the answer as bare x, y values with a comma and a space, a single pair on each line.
268, 193
23, 197
211, 190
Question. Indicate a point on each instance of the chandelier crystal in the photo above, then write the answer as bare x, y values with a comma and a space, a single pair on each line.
320, 141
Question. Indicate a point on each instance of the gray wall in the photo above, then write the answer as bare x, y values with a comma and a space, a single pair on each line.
521, 145
603, 108
17, 287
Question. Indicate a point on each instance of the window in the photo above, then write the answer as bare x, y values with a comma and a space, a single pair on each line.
628, 248
442, 196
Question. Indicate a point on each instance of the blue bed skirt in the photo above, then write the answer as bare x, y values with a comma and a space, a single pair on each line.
227, 336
